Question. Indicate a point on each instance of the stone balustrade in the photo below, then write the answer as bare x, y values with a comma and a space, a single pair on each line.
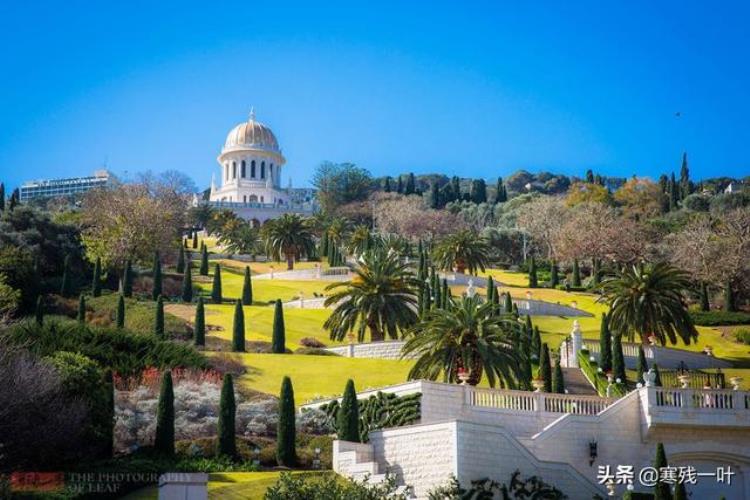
695, 407
525, 401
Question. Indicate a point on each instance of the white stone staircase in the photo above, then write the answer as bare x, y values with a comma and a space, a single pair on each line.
356, 461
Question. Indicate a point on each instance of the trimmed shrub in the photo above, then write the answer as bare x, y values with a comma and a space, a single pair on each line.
545, 370
96, 281
204, 261
120, 313
348, 417
187, 285
156, 290
159, 317
180, 267
605, 344
642, 365
661, 488
195, 240
199, 330
227, 413
311, 342
558, 382
719, 318
164, 442
279, 331
286, 453
247, 288
576, 281
216, 295
618, 360
508, 303
238, 328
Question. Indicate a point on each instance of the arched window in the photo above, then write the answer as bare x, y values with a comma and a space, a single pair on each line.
234, 170
262, 170
226, 172
252, 169
242, 169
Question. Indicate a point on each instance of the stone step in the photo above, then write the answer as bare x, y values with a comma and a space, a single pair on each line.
576, 382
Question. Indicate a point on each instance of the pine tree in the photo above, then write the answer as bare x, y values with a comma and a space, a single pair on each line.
533, 282
286, 454
545, 369
508, 303
200, 324
227, 445
729, 305
65, 286
411, 185
120, 313
554, 278
159, 317
684, 178
576, 274
96, 281
618, 360
536, 340
348, 417
661, 488
82, 309
278, 342
605, 345
204, 261
238, 328
187, 285
641, 365
705, 305
180, 268
247, 289
127, 280
195, 240
39, 312
216, 295
156, 274
2, 197
558, 382
164, 442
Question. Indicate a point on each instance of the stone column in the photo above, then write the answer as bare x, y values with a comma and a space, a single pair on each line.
577, 341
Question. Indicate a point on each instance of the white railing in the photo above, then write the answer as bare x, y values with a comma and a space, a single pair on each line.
628, 349
536, 401
336, 271
702, 399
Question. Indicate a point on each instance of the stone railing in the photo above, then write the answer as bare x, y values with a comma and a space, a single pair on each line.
336, 271
628, 349
702, 398
536, 401
695, 407
665, 357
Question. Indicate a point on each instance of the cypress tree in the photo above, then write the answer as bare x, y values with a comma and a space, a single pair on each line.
216, 295
576, 274
444, 293
680, 492
39, 312
605, 345
618, 360
558, 382
729, 305
496, 298
545, 370
437, 301
238, 328
180, 268
515, 310
278, 342
434, 198
120, 314
456, 188
184, 242
426, 299
2, 197
227, 444
500, 196
387, 184
348, 417
200, 324
684, 178
65, 286
490, 288
411, 185
674, 193
528, 327
657, 380
533, 282
508, 303
400, 185
589, 176
156, 273
96, 281
14, 199
204, 261
641, 365
286, 454
159, 317
705, 305
247, 288
554, 278
324, 244
596, 271
187, 285
661, 489
164, 442
195, 240
536, 340
127, 280
478, 192
82, 309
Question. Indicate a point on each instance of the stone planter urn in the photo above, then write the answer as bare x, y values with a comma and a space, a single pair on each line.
538, 384
735, 381
708, 350
463, 376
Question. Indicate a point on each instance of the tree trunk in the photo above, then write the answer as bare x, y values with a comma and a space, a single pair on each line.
375, 334
290, 261
460, 266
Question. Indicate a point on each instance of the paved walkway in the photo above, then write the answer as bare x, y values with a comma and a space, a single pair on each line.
576, 383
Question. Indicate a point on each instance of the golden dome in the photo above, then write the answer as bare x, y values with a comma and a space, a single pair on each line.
251, 135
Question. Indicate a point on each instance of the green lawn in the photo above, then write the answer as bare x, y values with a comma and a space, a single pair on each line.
244, 485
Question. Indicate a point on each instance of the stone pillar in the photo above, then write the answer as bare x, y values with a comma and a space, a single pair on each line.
183, 486
577, 341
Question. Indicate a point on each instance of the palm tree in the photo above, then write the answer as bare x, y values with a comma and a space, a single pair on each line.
290, 236
380, 297
462, 250
360, 241
337, 229
648, 300
467, 335
240, 238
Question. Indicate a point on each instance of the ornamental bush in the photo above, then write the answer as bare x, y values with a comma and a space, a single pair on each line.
278, 342
159, 317
164, 442
247, 288
199, 330
187, 285
348, 415
227, 444
120, 313
238, 328
216, 295
156, 275
180, 267
204, 260
286, 453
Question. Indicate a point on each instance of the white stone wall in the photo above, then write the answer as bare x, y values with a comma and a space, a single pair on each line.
380, 350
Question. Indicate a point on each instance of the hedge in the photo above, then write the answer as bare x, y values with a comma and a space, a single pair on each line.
717, 318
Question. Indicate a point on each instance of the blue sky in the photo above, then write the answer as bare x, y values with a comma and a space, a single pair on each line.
466, 88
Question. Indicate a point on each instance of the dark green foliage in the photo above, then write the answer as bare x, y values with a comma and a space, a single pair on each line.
533, 280
2, 196
426, 302
82, 309
661, 489
187, 285
596, 272
39, 312
379, 411
204, 261
536, 340
705, 305
216, 295
127, 280
96, 281
490, 287
65, 286
120, 313
331, 486
545, 369
444, 294
657, 380
238, 328
15, 199
410, 185
387, 184
508, 303
642, 365
558, 382
719, 318
199, 333
164, 441
324, 246
180, 268
680, 492
729, 304
605, 345
554, 278
599, 380
159, 317
278, 341
348, 415
576, 274
286, 454
247, 288
227, 443
501, 195
618, 360
195, 240
434, 197
156, 275
478, 193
